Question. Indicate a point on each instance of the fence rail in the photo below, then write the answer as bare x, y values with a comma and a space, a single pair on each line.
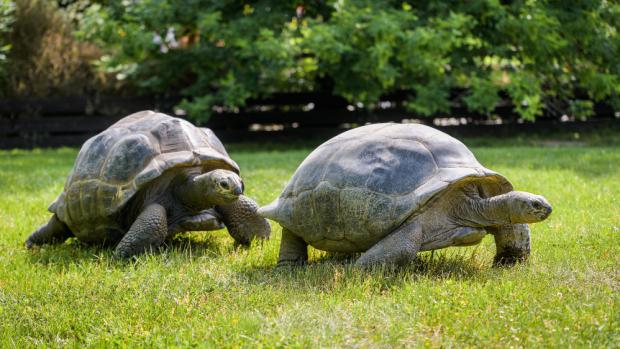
69, 121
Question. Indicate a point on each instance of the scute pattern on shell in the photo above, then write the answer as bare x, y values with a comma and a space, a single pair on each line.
369, 180
113, 165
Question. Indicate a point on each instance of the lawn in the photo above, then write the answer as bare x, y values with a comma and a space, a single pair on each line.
202, 291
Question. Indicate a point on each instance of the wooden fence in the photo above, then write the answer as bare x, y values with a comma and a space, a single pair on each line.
70, 121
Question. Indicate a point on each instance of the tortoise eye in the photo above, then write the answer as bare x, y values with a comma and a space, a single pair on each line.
536, 205
224, 185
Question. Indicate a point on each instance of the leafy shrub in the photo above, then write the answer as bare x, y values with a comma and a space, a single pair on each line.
7, 9
45, 59
557, 55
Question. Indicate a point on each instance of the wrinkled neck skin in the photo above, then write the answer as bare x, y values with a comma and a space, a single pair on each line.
475, 211
194, 192
491, 211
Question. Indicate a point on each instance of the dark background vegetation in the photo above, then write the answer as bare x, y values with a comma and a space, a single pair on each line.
272, 65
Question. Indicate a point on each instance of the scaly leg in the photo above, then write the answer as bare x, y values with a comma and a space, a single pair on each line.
204, 221
397, 248
512, 242
293, 249
243, 222
53, 232
148, 231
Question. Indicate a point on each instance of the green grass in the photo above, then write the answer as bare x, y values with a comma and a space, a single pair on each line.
201, 291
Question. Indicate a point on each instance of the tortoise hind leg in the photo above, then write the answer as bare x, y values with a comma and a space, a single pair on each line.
204, 221
293, 249
147, 232
54, 231
397, 248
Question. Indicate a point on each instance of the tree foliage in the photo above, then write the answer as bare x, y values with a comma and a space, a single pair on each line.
7, 9
558, 55
39, 55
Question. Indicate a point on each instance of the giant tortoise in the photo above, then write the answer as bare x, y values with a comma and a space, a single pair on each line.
391, 190
146, 178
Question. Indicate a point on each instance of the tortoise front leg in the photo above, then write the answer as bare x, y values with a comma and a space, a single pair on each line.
243, 222
397, 248
512, 242
147, 232
204, 221
53, 232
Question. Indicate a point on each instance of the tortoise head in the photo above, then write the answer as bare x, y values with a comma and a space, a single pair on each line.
527, 207
217, 187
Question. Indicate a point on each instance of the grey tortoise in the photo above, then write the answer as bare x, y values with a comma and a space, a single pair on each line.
146, 178
391, 190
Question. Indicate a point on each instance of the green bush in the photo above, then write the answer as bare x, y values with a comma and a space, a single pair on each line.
7, 9
44, 58
540, 54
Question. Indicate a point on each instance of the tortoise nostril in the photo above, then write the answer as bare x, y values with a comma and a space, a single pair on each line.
238, 191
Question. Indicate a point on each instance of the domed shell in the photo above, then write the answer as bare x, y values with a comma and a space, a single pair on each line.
359, 186
113, 165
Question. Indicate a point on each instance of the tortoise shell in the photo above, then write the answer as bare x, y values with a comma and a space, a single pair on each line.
115, 164
359, 186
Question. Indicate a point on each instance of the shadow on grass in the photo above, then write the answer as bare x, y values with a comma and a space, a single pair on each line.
70, 252
334, 271
188, 246
325, 272
74, 252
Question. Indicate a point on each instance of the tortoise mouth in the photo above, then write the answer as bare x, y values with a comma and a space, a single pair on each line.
232, 196
543, 208
545, 213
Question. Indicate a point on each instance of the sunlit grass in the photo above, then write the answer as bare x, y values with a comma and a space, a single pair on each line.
201, 290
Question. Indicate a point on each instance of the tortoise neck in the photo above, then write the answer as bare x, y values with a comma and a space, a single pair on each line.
193, 192
491, 211
472, 210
